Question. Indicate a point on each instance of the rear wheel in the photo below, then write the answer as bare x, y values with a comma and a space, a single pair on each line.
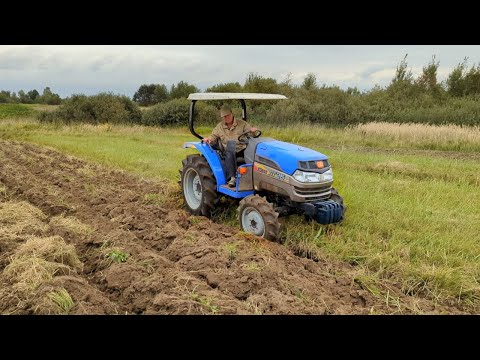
198, 185
257, 216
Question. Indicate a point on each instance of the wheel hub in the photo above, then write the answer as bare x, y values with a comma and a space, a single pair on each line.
197, 187
253, 221
192, 188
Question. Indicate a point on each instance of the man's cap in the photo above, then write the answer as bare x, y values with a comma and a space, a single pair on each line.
225, 110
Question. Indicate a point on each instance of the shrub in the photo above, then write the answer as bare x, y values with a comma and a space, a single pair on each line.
231, 87
207, 114
97, 109
175, 112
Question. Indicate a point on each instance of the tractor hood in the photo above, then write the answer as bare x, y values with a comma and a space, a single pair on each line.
286, 155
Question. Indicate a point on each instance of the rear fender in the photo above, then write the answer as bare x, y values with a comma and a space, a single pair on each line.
212, 158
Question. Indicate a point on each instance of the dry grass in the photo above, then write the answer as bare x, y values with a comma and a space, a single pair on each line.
71, 224
251, 266
421, 132
107, 128
100, 128
42, 107
32, 267
34, 264
88, 170
396, 167
38, 261
20, 218
14, 212
3, 191
53, 249
27, 273
382, 135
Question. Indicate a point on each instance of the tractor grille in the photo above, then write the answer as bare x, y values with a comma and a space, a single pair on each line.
315, 193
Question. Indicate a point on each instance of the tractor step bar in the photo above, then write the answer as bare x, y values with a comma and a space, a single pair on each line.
224, 189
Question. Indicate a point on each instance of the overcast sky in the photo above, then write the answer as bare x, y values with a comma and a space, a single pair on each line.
121, 69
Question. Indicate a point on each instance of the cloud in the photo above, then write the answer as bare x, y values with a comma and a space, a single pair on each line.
381, 77
16, 58
123, 68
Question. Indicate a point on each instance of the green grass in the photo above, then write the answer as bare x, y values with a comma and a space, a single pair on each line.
154, 199
413, 214
417, 231
151, 152
117, 256
251, 266
231, 250
8, 111
62, 299
205, 301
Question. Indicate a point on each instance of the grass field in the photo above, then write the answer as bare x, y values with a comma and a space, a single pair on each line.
16, 111
413, 194
8, 111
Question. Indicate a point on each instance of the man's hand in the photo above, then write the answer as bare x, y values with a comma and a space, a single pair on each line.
253, 129
206, 140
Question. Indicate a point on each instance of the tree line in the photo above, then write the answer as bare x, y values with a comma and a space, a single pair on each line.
30, 97
463, 81
405, 99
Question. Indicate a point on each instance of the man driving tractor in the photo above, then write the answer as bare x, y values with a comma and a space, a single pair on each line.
228, 132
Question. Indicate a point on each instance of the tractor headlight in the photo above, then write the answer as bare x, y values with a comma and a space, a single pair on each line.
309, 177
328, 175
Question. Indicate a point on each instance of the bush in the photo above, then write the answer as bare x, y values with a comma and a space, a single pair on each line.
208, 114
328, 106
334, 107
175, 112
288, 111
232, 87
97, 109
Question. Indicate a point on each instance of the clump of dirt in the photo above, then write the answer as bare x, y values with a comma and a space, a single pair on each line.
141, 253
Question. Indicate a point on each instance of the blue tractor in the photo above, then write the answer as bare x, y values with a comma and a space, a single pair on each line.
274, 178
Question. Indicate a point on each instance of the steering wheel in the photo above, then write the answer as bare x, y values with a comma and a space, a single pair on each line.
243, 138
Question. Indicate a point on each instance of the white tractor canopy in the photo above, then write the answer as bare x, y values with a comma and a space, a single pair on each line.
226, 96
235, 96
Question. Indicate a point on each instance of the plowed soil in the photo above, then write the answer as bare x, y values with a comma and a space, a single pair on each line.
176, 263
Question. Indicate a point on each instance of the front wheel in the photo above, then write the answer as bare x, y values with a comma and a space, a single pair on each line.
338, 199
198, 185
257, 216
